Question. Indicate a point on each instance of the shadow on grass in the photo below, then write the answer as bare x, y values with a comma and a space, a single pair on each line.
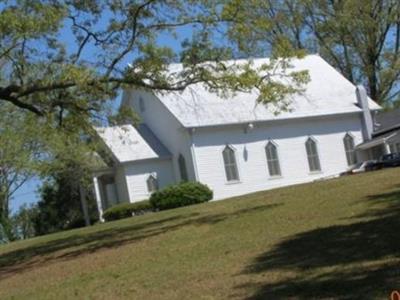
24, 259
362, 258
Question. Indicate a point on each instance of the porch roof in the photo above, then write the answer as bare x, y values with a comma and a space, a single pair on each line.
376, 141
128, 143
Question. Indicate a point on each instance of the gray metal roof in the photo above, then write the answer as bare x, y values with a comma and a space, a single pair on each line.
377, 141
386, 121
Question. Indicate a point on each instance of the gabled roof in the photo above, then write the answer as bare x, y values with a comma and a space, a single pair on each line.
128, 143
386, 121
328, 92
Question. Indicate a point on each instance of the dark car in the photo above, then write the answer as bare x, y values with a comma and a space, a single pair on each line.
389, 160
364, 166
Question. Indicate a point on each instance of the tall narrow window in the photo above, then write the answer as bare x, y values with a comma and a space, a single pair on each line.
152, 184
142, 106
231, 170
348, 142
312, 155
272, 159
182, 168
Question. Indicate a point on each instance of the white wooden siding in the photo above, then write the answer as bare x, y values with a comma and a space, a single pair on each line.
138, 173
165, 126
290, 138
120, 181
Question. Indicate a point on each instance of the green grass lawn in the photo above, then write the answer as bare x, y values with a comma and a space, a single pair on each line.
335, 239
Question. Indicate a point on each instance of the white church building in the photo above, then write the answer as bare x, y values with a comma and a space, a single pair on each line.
235, 146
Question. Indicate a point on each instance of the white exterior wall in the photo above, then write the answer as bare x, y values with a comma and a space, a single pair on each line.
165, 126
137, 174
289, 136
120, 182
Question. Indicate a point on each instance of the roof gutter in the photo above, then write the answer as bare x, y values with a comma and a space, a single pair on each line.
274, 120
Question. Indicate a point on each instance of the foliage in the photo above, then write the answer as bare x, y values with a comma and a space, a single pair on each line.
63, 62
5, 231
359, 38
126, 210
30, 147
60, 206
88, 44
19, 150
23, 222
3, 237
182, 194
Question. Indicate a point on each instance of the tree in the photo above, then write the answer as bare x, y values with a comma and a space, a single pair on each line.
62, 63
60, 206
23, 222
3, 234
47, 75
18, 152
359, 38
362, 38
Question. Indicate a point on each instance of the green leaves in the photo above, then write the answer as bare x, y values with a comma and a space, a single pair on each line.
63, 63
31, 19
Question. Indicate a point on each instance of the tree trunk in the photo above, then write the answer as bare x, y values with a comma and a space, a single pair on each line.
82, 193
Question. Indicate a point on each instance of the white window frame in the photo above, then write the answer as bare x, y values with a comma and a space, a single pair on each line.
350, 153
314, 162
273, 163
230, 166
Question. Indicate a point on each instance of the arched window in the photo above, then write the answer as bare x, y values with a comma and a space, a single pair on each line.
272, 159
142, 106
182, 168
348, 142
152, 184
312, 155
231, 170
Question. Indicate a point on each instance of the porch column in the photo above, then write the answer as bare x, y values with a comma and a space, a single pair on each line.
98, 198
386, 148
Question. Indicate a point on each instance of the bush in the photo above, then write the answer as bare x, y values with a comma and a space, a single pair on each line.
126, 210
182, 194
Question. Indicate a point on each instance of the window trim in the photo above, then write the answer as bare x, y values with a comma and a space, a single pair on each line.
317, 155
156, 186
277, 159
184, 176
348, 134
234, 150
142, 106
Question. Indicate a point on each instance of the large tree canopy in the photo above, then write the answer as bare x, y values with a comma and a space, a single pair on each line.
68, 57
360, 38
63, 62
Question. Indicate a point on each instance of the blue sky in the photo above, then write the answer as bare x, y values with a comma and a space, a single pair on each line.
28, 192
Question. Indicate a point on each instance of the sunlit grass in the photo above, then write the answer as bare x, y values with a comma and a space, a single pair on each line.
330, 239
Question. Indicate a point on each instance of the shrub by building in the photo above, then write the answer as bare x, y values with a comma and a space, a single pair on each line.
182, 194
126, 210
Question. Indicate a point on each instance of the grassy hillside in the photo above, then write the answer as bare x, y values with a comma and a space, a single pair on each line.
334, 239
